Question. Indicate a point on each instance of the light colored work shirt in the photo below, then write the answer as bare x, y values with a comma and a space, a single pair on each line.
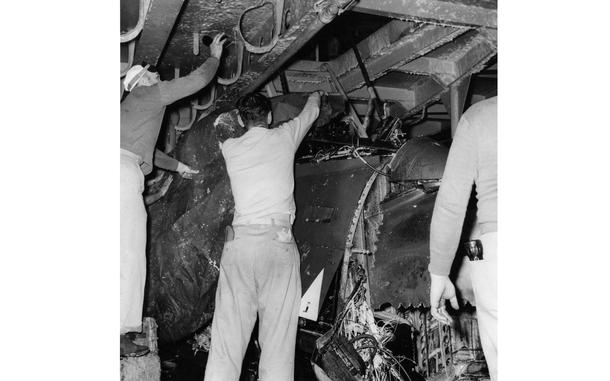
260, 164
142, 111
472, 160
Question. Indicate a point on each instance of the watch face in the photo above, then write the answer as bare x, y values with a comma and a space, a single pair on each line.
474, 249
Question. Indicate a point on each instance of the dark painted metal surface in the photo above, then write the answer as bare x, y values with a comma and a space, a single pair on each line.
419, 159
400, 226
399, 271
460, 12
326, 195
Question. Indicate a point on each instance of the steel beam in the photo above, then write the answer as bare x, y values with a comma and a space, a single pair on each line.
416, 43
410, 90
385, 50
455, 99
157, 28
454, 12
454, 60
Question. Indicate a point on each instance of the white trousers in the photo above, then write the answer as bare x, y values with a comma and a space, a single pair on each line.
133, 243
259, 274
484, 274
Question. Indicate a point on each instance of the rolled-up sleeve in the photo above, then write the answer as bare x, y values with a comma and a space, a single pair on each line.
452, 199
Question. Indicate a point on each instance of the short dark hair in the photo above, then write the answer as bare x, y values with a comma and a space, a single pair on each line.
254, 108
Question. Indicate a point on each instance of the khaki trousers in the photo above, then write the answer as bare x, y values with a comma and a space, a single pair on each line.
133, 242
259, 274
484, 274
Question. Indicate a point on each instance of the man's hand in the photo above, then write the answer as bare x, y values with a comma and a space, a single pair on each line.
318, 96
318, 93
442, 289
217, 44
185, 171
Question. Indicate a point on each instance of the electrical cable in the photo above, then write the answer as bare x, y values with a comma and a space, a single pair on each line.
357, 154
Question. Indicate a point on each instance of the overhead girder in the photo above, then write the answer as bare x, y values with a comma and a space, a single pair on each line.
409, 90
450, 55
387, 49
454, 12
453, 60
158, 25
421, 41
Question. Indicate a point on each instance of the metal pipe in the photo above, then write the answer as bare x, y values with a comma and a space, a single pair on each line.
455, 107
196, 43
360, 130
284, 83
133, 33
239, 46
130, 52
270, 90
371, 89
196, 104
296, 45
154, 197
279, 16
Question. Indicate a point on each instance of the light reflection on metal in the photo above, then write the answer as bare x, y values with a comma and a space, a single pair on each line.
196, 43
239, 50
209, 103
133, 33
131, 49
279, 16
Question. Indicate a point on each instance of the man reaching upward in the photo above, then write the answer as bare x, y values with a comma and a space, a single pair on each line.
259, 269
141, 116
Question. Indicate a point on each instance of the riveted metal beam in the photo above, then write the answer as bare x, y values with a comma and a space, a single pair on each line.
454, 60
157, 28
454, 12
385, 50
408, 89
413, 45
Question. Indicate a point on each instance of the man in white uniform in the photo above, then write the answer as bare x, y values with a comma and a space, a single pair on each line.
259, 269
472, 160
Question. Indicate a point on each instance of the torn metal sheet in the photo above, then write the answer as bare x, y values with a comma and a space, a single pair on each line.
397, 224
326, 195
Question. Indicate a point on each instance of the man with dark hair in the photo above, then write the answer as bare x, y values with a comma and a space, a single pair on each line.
259, 269
141, 116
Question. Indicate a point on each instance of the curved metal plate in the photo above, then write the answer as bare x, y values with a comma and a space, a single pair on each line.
399, 272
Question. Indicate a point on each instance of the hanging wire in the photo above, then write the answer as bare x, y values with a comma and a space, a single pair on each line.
357, 154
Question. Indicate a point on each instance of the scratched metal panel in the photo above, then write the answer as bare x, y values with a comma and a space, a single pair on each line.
326, 195
399, 274
399, 269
